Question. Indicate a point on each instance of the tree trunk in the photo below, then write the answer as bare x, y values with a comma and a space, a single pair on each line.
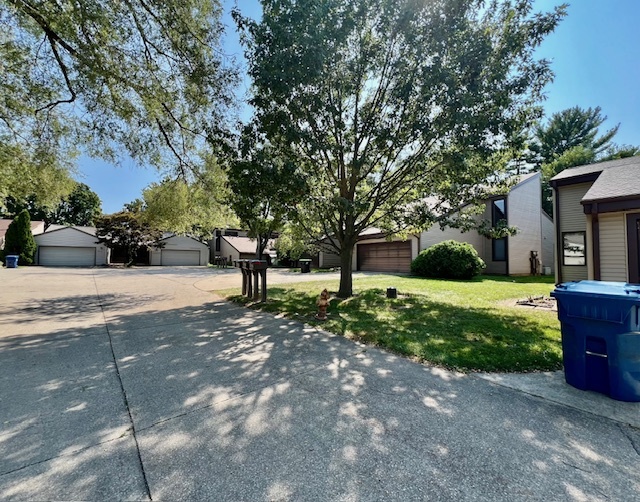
346, 274
258, 247
131, 256
261, 244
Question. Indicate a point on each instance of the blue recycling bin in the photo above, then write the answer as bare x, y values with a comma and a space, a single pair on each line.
11, 261
600, 328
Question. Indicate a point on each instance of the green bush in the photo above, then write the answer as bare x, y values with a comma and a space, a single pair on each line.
19, 239
448, 260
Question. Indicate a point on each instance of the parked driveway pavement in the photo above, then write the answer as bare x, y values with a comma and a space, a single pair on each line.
143, 385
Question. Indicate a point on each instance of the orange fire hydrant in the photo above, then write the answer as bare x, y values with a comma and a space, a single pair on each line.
323, 303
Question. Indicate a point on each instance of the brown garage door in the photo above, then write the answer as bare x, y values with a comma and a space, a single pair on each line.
385, 257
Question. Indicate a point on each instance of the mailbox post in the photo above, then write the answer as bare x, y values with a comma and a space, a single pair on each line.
254, 278
259, 269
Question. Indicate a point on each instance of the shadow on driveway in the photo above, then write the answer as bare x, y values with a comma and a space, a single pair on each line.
230, 404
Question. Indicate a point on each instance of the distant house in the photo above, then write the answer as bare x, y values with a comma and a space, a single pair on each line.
521, 208
234, 244
63, 246
37, 227
597, 216
179, 250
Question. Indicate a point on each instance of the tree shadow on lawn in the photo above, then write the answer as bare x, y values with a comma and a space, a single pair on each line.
464, 338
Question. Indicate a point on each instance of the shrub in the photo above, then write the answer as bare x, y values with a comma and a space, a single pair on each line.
448, 260
19, 239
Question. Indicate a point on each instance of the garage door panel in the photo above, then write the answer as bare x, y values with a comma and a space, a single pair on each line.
385, 257
66, 256
176, 258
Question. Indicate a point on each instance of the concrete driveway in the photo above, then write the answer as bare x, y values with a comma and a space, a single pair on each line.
143, 385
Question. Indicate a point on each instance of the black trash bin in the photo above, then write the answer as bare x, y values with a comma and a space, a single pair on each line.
305, 266
601, 337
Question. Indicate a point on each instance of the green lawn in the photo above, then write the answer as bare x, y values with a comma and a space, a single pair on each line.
465, 325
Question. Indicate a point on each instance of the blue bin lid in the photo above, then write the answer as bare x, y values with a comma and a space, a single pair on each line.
602, 289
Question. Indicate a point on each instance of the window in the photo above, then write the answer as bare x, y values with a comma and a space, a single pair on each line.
499, 249
574, 249
498, 214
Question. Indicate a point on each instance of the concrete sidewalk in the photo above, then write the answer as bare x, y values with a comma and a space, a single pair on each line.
138, 385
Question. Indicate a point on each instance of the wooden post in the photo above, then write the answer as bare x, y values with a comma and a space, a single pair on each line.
263, 273
249, 284
256, 293
244, 281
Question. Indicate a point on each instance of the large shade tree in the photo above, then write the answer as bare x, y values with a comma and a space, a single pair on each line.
383, 103
143, 77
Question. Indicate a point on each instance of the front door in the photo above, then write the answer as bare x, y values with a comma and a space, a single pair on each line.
633, 244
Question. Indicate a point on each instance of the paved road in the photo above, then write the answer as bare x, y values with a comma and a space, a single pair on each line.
141, 384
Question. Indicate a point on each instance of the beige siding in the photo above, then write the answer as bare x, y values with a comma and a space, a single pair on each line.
572, 219
70, 237
66, 237
328, 257
228, 250
329, 260
181, 243
436, 235
613, 247
548, 242
523, 212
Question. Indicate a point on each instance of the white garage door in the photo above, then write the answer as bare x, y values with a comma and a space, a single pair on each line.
174, 257
54, 256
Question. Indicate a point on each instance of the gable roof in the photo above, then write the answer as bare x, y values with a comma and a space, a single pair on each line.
172, 235
86, 230
244, 244
575, 172
615, 183
612, 180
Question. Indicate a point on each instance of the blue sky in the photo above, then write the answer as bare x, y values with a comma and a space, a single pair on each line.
595, 55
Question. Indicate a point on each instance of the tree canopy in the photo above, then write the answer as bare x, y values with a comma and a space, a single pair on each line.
196, 205
263, 188
570, 128
127, 230
382, 104
81, 207
146, 75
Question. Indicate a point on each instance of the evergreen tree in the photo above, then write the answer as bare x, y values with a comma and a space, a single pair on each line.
572, 138
19, 239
